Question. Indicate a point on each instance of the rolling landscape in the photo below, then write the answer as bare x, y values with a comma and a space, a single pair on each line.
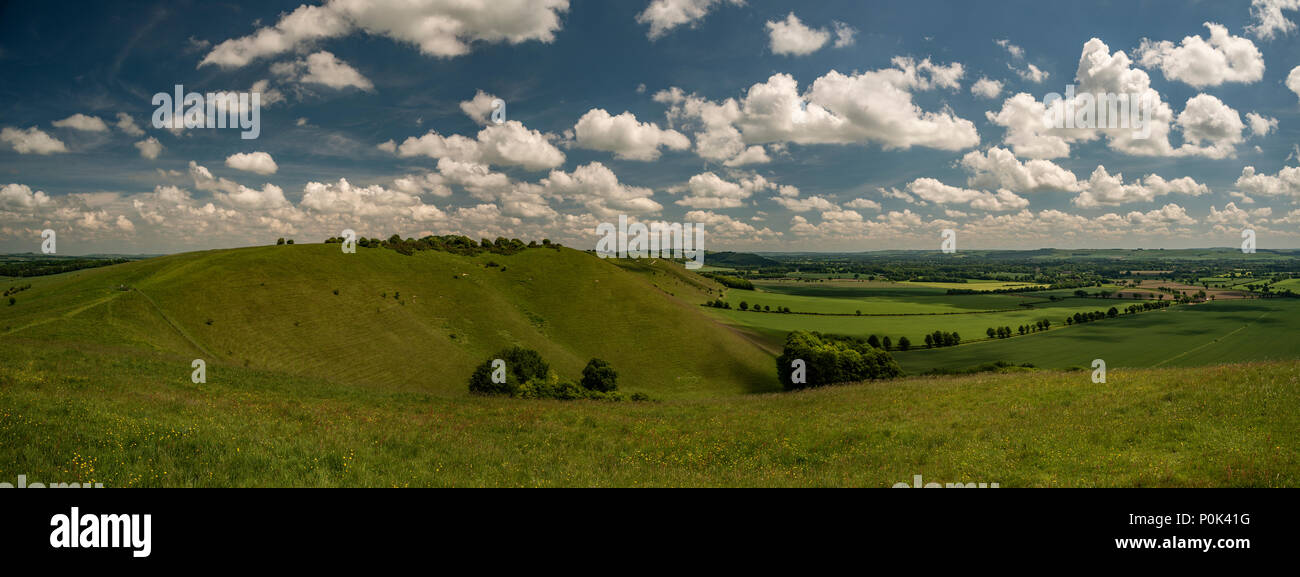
334, 369
647, 243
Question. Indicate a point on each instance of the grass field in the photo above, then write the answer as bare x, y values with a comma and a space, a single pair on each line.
350, 370
1203, 334
72, 415
772, 327
876, 304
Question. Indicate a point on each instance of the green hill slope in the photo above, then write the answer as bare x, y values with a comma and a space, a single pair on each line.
409, 323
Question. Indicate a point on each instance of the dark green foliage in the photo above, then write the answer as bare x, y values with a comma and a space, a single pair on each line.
831, 359
522, 365
599, 376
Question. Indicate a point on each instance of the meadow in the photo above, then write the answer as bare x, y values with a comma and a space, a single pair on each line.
78, 414
328, 370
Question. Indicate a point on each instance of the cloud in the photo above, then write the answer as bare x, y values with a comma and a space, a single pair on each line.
727, 228
31, 141
1031, 73
82, 122
1015, 51
480, 107
237, 195
1206, 119
506, 144
255, 162
21, 196
1285, 183
1260, 125
868, 107
752, 155
344, 198
149, 148
597, 188
127, 124
1103, 189
862, 204
844, 34
791, 38
325, 69
1200, 63
931, 190
439, 29
1269, 19
664, 15
708, 190
999, 168
1293, 80
985, 88
1210, 128
625, 137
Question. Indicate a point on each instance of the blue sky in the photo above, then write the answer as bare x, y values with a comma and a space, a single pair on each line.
847, 126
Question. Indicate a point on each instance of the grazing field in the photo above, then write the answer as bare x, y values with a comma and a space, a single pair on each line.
97, 414
874, 305
971, 326
1185, 335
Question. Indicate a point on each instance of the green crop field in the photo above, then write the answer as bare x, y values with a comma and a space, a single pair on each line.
970, 325
878, 304
1209, 333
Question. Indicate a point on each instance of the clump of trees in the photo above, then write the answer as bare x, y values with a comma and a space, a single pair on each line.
1006, 332
831, 359
942, 339
730, 281
523, 374
455, 244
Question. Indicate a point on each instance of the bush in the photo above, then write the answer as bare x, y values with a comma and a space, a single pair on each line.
829, 360
522, 366
599, 376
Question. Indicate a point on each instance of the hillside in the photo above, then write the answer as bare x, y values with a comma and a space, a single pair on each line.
411, 323
127, 421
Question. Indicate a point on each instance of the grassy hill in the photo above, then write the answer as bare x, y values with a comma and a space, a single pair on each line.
415, 323
72, 415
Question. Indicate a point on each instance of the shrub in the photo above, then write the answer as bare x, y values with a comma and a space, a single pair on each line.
599, 376
522, 365
829, 360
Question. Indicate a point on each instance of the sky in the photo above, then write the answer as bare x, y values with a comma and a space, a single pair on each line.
780, 126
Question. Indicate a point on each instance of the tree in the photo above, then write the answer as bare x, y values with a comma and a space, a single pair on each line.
873, 341
828, 360
1112, 313
991, 332
744, 306
886, 343
521, 365
279, 241
290, 241
929, 341
599, 376
904, 344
